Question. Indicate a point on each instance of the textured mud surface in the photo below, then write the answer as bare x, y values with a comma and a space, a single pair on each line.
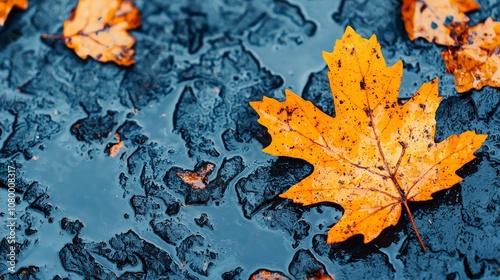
182, 112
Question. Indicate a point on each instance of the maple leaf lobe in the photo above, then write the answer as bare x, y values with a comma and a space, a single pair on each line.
197, 179
6, 7
375, 154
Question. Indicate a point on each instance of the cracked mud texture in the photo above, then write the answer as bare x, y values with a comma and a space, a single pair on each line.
183, 109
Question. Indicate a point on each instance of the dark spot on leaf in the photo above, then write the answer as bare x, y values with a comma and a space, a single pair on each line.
424, 6
368, 112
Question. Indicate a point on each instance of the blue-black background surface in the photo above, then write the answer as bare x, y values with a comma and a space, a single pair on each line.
183, 105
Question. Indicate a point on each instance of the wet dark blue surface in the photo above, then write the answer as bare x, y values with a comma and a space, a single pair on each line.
198, 64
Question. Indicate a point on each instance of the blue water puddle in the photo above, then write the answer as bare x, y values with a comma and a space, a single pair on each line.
95, 198
393, 252
49, 241
239, 241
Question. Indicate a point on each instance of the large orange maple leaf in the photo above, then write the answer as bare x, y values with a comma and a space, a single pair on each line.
7, 5
376, 154
100, 29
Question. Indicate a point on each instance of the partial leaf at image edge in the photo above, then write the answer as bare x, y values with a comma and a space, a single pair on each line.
476, 62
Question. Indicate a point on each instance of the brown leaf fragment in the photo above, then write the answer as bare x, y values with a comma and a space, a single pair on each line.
476, 62
199, 178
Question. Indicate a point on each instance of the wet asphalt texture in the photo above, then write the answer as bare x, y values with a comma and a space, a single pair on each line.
182, 107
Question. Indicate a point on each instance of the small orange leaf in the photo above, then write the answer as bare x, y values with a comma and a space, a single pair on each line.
7, 5
439, 21
115, 149
376, 154
99, 29
476, 63
264, 274
197, 179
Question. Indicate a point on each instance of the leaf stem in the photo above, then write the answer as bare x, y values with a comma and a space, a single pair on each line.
414, 226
